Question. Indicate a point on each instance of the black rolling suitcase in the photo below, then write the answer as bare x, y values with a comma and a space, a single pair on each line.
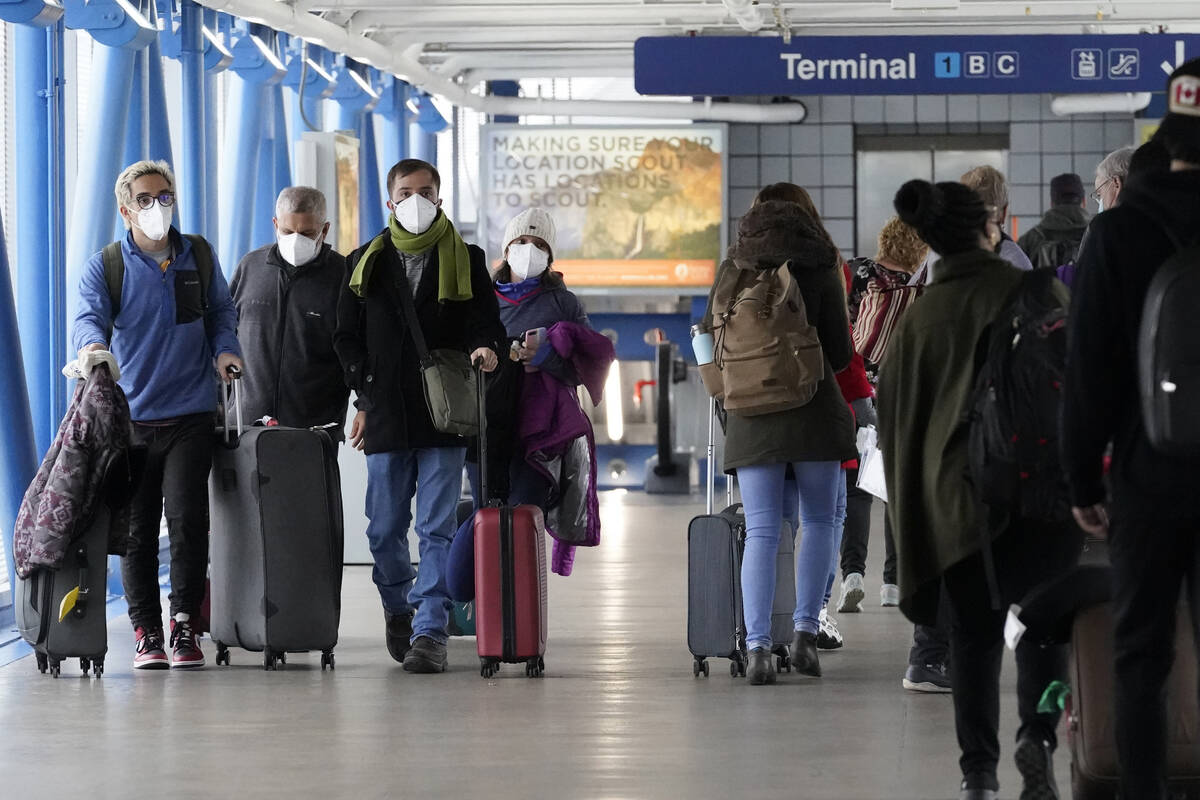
716, 627
276, 547
78, 628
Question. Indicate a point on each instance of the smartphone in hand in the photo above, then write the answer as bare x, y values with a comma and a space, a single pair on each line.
533, 340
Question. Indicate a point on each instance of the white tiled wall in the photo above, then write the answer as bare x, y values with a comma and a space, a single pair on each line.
818, 154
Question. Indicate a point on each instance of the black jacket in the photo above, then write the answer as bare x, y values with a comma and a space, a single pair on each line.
380, 359
1124, 248
287, 317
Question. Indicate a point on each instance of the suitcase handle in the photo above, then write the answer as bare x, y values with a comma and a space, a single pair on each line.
81, 600
481, 399
234, 389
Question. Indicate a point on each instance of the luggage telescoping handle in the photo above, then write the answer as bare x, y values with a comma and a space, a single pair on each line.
234, 389
481, 398
711, 488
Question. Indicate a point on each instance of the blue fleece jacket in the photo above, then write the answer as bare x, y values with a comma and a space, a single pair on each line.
160, 339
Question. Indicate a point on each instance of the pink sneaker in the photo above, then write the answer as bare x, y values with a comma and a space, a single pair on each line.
185, 653
148, 650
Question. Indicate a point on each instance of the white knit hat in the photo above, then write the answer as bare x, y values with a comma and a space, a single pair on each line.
531, 222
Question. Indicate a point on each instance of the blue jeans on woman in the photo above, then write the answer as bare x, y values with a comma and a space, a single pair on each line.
791, 515
819, 486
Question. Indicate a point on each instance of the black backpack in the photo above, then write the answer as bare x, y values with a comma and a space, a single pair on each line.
1013, 416
1169, 354
1055, 253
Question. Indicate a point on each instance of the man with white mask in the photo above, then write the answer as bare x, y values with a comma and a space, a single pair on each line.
287, 295
158, 300
419, 267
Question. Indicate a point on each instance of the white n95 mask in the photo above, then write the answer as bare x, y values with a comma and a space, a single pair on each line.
297, 249
415, 214
527, 261
155, 221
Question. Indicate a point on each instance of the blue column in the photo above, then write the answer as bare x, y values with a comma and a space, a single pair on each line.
137, 132
242, 146
282, 146
211, 167
193, 206
18, 459
99, 164
393, 141
370, 196
33, 230
158, 127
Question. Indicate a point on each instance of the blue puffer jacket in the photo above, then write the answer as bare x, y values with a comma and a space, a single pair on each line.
163, 340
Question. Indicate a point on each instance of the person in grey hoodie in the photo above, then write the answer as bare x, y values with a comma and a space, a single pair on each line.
287, 295
1055, 240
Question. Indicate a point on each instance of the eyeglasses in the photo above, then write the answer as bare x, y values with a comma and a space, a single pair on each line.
165, 199
1095, 195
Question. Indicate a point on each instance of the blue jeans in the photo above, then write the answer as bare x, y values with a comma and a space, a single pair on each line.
434, 475
763, 500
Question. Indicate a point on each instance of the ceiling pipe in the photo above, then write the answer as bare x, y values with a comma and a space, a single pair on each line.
283, 17
746, 13
1065, 105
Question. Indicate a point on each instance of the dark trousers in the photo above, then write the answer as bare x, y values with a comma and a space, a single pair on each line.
1027, 554
857, 533
931, 643
178, 460
1151, 564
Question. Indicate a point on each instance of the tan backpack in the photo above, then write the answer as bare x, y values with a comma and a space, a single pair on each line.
766, 356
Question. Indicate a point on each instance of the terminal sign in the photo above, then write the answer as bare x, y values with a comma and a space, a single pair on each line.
1019, 64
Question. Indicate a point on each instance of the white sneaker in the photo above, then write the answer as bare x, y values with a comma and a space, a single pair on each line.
889, 595
852, 594
828, 635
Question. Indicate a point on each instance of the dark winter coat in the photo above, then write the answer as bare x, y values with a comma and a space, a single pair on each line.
1066, 222
380, 359
287, 317
1124, 248
823, 429
925, 384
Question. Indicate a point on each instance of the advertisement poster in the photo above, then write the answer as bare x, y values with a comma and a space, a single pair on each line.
345, 154
635, 207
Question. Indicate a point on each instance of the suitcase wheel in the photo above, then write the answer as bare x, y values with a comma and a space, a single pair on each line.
55, 668
98, 667
43, 663
269, 660
85, 665
534, 667
222, 655
327, 660
700, 667
488, 667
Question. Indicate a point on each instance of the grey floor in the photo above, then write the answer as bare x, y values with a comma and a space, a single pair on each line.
618, 714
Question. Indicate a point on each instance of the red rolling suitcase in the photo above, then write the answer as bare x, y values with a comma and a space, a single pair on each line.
510, 576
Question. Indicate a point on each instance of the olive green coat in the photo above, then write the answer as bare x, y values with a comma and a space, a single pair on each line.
925, 384
823, 429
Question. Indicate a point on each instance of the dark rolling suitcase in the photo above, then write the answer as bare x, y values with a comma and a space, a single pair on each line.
510, 577
83, 631
1089, 711
716, 627
276, 547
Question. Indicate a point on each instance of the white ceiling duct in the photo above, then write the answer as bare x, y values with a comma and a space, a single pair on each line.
283, 17
1065, 105
746, 13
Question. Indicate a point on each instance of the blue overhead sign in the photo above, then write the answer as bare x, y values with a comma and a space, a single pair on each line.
1017, 64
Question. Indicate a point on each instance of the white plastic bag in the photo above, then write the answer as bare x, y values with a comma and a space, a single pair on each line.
870, 464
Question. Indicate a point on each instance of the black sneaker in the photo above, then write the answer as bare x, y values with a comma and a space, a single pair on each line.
425, 656
929, 678
398, 632
760, 666
1035, 762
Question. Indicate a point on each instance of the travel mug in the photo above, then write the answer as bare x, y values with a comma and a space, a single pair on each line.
702, 345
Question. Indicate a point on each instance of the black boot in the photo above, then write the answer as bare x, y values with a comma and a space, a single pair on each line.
804, 654
978, 787
397, 633
760, 667
1035, 762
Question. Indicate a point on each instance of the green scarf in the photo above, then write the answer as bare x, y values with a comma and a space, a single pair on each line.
454, 262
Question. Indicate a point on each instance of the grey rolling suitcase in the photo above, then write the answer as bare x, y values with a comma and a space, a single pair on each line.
83, 632
276, 546
716, 626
